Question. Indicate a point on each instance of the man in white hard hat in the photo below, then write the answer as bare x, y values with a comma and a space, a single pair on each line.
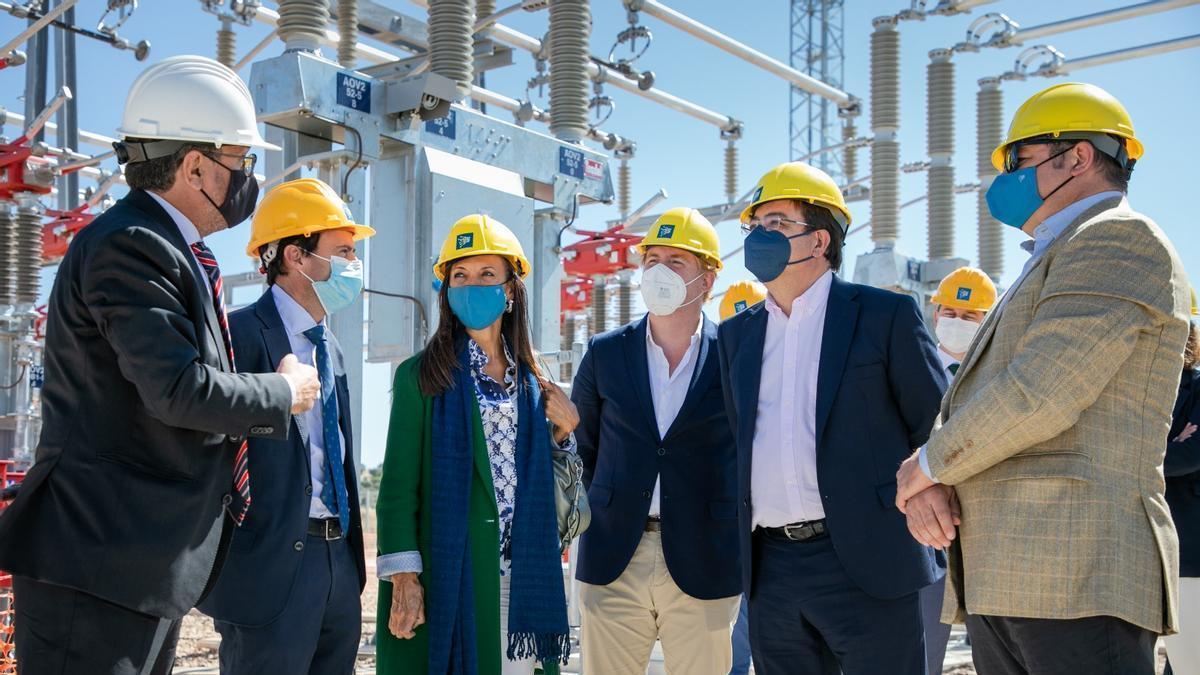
141, 470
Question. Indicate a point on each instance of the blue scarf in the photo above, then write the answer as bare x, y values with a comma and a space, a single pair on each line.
537, 612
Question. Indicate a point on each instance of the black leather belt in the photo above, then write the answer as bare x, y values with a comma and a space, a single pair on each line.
796, 531
654, 524
325, 528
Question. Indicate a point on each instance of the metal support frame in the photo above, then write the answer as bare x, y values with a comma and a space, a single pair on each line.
801, 80
817, 46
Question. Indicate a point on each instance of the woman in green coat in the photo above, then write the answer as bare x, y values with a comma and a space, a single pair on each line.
469, 566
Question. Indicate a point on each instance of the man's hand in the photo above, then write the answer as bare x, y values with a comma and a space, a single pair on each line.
1186, 433
408, 605
910, 480
932, 516
559, 410
303, 381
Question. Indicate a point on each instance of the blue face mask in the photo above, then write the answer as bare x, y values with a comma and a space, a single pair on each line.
477, 306
768, 253
342, 287
1013, 197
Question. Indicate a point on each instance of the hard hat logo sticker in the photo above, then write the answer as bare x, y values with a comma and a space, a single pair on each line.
757, 194
464, 241
739, 306
964, 293
666, 231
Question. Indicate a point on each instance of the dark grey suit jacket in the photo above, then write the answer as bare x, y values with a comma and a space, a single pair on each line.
141, 416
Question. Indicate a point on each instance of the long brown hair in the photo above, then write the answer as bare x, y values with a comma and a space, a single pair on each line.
439, 360
1191, 351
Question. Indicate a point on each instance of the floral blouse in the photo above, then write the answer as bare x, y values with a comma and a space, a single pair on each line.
497, 407
498, 410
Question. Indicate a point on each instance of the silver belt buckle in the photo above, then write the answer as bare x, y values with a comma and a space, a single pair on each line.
799, 527
329, 523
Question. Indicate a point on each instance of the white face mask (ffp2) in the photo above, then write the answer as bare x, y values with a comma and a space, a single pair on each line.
955, 335
663, 290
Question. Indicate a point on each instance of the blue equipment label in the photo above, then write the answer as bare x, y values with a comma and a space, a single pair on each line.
353, 92
570, 162
443, 126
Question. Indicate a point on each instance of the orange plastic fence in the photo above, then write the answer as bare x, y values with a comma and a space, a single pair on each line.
8, 657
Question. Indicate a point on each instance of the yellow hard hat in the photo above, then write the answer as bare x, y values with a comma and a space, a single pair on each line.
797, 180
1068, 111
478, 234
966, 288
741, 295
685, 229
300, 207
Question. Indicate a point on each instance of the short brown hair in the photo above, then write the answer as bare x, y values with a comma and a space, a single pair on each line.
819, 218
306, 243
1110, 168
158, 174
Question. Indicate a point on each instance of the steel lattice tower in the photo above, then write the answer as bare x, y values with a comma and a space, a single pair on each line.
817, 49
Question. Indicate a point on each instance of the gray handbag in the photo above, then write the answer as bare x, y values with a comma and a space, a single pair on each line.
570, 497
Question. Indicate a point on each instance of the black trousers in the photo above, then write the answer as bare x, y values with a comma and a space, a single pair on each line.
808, 618
1097, 645
61, 630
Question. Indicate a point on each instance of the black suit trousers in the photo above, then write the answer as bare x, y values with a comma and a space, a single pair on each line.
62, 630
1096, 645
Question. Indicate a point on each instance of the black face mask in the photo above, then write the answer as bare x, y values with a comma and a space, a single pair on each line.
240, 196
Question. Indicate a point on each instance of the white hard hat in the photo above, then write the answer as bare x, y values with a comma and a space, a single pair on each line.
191, 98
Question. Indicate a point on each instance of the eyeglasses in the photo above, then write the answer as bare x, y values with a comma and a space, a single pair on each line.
1012, 162
248, 161
771, 224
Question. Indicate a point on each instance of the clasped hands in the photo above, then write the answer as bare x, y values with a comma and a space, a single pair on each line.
932, 508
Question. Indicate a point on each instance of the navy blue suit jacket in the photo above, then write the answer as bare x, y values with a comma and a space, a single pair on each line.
879, 387
1182, 468
623, 455
264, 559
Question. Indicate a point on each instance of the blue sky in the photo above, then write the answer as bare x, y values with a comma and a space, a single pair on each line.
684, 156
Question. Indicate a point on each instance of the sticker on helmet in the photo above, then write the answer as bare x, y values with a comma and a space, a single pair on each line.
666, 231
739, 306
464, 241
757, 194
964, 293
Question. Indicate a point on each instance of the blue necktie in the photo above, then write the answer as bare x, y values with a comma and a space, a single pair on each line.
333, 492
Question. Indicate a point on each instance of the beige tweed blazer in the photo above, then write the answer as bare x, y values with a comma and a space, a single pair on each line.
1054, 430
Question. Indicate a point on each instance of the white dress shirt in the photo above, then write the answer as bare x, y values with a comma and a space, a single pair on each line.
668, 389
783, 478
947, 361
296, 320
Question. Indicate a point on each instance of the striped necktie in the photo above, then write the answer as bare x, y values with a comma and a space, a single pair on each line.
241, 463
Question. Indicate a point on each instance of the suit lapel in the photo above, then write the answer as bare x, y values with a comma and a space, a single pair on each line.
746, 372
988, 329
639, 371
279, 345
170, 230
705, 370
841, 316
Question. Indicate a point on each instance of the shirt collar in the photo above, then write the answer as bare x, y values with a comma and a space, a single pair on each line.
947, 359
479, 361
295, 318
695, 335
1053, 226
186, 227
809, 302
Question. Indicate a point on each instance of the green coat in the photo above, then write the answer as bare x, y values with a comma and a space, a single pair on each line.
404, 508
